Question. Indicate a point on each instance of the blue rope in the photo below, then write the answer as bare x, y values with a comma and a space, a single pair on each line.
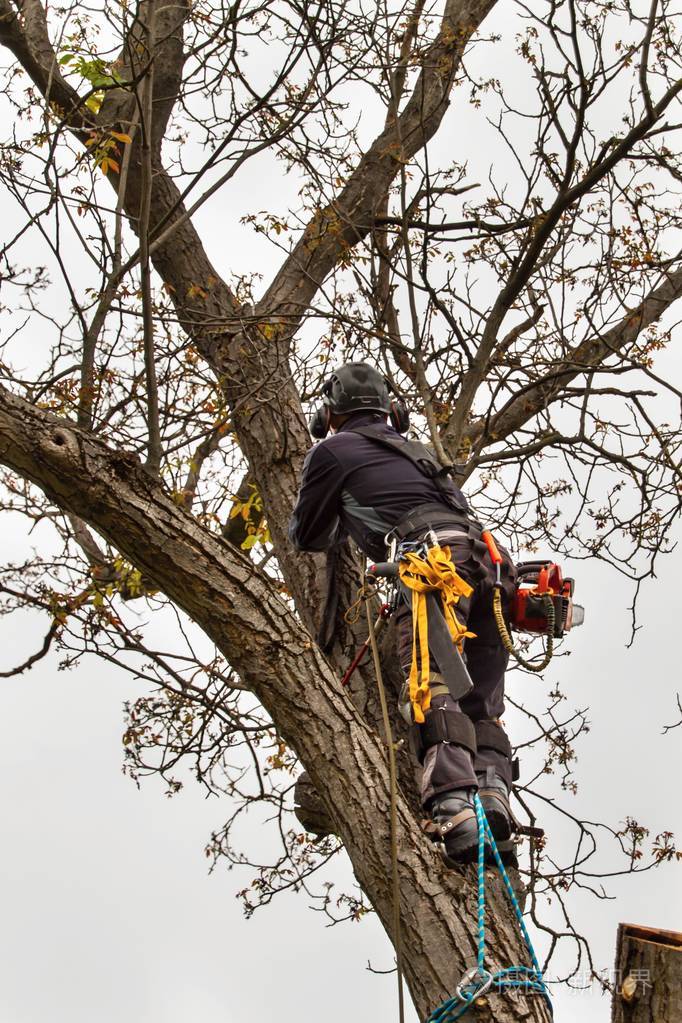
478, 981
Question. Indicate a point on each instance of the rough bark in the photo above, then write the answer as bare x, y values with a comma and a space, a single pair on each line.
249, 622
648, 976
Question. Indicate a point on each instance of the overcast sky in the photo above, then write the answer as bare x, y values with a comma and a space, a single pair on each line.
108, 911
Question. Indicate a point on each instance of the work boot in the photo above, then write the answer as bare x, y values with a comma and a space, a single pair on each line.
454, 815
494, 796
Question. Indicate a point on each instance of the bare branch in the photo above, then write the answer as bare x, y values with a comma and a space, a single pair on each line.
586, 356
37, 656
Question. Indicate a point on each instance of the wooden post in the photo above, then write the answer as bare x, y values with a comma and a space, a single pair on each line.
648, 976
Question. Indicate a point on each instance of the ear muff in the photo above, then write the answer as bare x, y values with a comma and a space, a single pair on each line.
318, 424
399, 415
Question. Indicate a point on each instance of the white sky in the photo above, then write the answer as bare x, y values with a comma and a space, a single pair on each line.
108, 911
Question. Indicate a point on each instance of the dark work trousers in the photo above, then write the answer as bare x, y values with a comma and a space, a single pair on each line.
447, 766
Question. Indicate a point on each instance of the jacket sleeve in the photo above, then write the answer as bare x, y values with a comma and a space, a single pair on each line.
315, 525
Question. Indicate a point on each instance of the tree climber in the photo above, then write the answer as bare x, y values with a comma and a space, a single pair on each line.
358, 483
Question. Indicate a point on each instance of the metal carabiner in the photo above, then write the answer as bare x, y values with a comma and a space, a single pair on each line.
391, 541
417, 547
469, 978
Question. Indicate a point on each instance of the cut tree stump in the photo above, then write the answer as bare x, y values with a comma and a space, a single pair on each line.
648, 976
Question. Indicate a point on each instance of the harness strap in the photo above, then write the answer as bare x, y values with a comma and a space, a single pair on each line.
443, 725
431, 515
502, 799
438, 687
437, 831
423, 459
495, 794
492, 736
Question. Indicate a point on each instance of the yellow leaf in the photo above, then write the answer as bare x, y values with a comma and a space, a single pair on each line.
195, 291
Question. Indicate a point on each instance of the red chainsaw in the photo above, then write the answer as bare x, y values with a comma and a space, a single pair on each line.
536, 581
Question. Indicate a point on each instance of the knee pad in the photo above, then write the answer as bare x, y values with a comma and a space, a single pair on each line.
442, 725
491, 736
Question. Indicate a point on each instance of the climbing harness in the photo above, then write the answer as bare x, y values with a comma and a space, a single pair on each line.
477, 981
423, 460
432, 572
424, 575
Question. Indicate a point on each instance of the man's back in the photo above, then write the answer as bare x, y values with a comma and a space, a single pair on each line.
353, 484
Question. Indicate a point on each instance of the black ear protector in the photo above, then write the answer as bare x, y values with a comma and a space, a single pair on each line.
319, 422
399, 414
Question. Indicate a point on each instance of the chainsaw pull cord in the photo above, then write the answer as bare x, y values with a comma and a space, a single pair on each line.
393, 783
507, 642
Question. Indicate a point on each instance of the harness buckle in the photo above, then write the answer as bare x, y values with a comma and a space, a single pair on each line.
418, 547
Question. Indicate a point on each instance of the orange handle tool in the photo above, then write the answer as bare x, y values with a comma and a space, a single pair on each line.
495, 555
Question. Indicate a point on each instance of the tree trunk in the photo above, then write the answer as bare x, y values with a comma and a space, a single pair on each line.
242, 612
648, 976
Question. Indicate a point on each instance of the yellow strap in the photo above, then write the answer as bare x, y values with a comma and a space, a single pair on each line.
436, 572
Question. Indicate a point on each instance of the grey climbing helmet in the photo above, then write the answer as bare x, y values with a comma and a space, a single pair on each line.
357, 387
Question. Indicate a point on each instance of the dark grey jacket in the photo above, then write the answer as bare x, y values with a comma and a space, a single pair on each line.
352, 485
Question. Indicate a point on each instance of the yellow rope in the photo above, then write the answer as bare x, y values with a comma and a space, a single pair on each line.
434, 573
507, 642
352, 615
